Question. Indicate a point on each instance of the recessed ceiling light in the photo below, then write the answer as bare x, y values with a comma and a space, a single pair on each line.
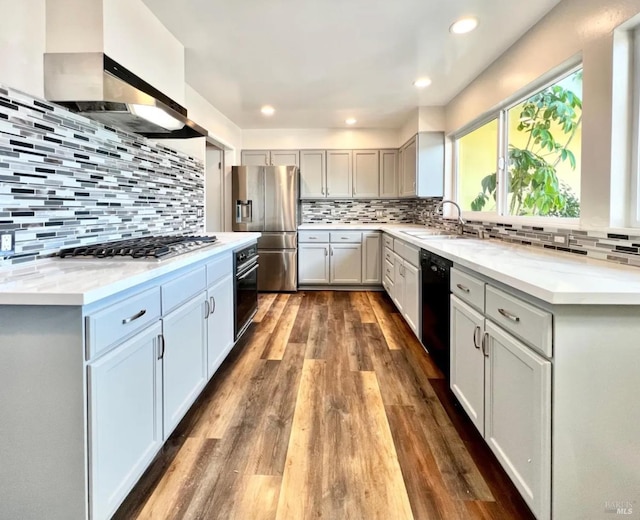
422, 83
267, 110
464, 25
351, 121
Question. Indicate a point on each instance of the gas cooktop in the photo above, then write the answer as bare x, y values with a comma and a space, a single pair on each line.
153, 247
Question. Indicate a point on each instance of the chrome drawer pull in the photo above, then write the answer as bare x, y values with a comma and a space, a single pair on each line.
462, 288
508, 315
134, 317
212, 303
485, 338
206, 309
476, 341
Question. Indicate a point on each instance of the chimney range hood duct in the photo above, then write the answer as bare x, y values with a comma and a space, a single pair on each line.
97, 87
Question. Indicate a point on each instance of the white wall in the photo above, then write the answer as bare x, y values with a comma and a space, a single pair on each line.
323, 138
574, 29
74, 26
410, 128
22, 44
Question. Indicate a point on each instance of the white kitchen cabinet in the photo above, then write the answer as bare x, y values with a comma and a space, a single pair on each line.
409, 169
518, 416
406, 289
313, 264
219, 318
339, 174
389, 174
398, 282
371, 258
313, 173
467, 360
185, 354
366, 174
346, 263
270, 157
125, 418
412, 291
422, 166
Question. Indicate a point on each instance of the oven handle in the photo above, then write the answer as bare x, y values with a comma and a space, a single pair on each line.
246, 273
240, 268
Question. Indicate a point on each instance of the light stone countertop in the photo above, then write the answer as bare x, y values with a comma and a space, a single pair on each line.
556, 278
67, 281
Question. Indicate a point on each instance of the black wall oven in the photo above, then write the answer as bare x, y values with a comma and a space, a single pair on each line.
245, 292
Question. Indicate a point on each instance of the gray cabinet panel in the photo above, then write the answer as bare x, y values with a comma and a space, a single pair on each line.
366, 171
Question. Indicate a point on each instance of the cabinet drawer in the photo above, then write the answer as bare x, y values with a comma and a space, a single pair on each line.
407, 251
388, 241
388, 270
313, 236
387, 283
354, 237
182, 288
219, 268
388, 255
468, 288
531, 324
108, 327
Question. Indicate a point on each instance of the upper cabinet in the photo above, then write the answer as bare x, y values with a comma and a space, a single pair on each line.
422, 166
313, 173
339, 173
270, 157
388, 174
366, 173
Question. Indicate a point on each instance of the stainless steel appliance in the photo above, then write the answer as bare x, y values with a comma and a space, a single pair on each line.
245, 291
435, 307
266, 200
149, 247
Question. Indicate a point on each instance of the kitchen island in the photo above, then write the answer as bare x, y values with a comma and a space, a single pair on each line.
99, 361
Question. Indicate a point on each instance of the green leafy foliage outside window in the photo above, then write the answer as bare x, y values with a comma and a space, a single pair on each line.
548, 123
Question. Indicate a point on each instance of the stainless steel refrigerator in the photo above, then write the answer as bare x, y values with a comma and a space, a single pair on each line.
265, 199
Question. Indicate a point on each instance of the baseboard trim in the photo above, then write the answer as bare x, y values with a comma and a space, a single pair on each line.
378, 288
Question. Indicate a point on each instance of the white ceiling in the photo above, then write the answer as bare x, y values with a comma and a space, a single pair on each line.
321, 61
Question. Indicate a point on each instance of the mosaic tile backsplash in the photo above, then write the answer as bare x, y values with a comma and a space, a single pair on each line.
66, 180
389, 211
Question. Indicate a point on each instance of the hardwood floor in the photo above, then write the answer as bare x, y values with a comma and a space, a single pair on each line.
327, 408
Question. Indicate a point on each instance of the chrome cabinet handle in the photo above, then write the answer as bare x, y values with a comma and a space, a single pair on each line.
160, 346
344, 238
462, 287
212, 303
322, 190
485, 338
331, 250
313, 238
206, 309
137, 315
476, 341
326, 251
508, 315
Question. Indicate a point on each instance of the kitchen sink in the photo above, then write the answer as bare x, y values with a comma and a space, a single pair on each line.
433, 235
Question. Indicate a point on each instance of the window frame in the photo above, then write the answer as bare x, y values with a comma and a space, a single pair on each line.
501, 114
634, 202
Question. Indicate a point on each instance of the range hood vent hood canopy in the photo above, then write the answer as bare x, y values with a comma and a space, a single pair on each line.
97, 87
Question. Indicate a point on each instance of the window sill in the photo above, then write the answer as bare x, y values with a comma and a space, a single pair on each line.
546, 222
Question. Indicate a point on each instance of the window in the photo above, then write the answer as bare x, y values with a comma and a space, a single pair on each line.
538, 171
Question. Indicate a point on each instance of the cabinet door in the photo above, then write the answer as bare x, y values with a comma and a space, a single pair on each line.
313, 264
366, 173
255, 157
285, 158
346, 263
371, 258
398, 283
388, 173
518, 416
412, 297
185, 367
339, 174
219, 323
430, 164
401, 155
125, 418
313, 171
409, 169
467, 360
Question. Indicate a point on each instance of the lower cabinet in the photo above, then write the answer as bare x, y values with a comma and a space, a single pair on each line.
125, 418
313, 264
405, 290
219, 323
185, 354
505, 388
346, 263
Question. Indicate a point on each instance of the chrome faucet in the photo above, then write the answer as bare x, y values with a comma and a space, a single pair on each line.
461, 221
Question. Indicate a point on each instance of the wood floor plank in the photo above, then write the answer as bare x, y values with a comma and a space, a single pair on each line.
356, 343
272, 316
385, 320
265, 301
360, 302
300, 330
318, 330
279, 338
259, 500
428, 494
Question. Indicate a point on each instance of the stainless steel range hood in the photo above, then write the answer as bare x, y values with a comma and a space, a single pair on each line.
99, 88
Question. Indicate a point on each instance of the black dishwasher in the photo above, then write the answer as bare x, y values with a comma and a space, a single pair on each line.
435, 307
